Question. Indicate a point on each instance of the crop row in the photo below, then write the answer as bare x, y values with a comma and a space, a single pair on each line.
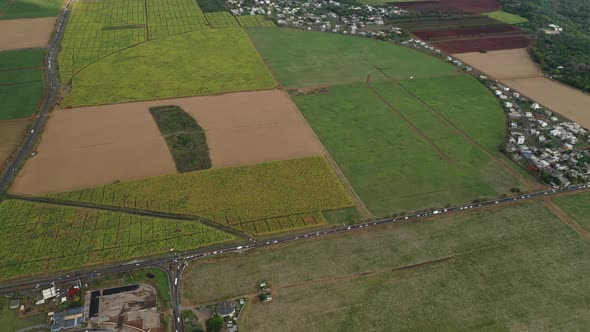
281, 224
254, 21
172, 17
58, 237
221, 20
241, 194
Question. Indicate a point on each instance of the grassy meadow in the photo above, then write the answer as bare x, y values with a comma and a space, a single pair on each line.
38, 238
266, 193
15, 9
389, 164
517, 268
307, 58
196, 63
21, 83
507, 18
576, 206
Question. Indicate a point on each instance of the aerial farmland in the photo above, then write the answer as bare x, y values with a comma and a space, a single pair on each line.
315, 165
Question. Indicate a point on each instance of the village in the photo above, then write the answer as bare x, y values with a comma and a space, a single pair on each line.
324, 15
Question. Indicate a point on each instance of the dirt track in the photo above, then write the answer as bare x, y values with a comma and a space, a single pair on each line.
559, 97
26, 33
92, 146
11, 134
504, 64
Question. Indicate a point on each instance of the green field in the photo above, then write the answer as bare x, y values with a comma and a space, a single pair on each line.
389, 164
9, 320
39, 238
307, 58
195, 63
13, 9
508, 18
277, 196
577, 207
21, 83
518, 268
185, 138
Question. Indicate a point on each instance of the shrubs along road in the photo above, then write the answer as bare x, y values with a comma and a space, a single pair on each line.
40, 238
185, 138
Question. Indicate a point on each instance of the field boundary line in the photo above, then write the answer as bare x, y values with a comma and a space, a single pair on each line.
410, 123
131, 211
369, 273
566, 218
363, 209
460, 131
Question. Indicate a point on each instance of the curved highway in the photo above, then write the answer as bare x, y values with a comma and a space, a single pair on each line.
52, 90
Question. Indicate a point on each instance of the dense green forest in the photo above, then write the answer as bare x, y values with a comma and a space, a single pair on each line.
571, 48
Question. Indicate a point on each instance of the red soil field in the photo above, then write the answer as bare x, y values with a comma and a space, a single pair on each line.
472, 6
467, 32
488, 44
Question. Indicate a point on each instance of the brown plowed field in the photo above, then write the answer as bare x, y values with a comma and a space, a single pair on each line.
11, 134
26, 33
470, 6
559, 97
467, 32
91, 146
488, 44
504, 64
252, 127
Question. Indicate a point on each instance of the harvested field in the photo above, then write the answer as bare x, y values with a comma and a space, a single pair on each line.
25, 33
95, 146
11, 134
563, 99
467, 32
487, 44
503, 64
470, 6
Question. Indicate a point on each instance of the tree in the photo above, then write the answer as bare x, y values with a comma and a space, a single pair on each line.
215, 324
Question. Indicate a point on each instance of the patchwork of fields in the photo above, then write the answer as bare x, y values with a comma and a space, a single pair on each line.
59, 238
108, 44
279, 195
404, 144
514, 268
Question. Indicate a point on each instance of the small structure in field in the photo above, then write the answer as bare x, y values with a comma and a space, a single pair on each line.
70, 319
226, 309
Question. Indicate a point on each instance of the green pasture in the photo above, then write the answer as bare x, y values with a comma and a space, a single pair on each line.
195, 63
517, 268
505, 17
389, 164
309, 58
577, 207
21, 83
14, 9
267, 192
64, 238
10, 321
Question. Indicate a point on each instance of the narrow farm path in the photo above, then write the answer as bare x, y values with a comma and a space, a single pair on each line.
566, 218
147, 213
499, 161
411, 124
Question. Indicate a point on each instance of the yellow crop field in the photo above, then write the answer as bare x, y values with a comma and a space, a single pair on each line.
230, 196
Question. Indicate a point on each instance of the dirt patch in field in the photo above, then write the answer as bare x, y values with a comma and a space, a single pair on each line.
91, 146
26, 33
565, 100
505, 64
12, 133
252, 127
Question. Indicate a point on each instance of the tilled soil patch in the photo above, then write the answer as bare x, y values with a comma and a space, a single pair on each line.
26, 33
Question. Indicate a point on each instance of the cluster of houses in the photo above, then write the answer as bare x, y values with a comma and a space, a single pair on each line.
545, 142
323, 15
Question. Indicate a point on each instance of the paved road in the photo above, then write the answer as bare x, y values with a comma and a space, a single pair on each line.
52, 90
